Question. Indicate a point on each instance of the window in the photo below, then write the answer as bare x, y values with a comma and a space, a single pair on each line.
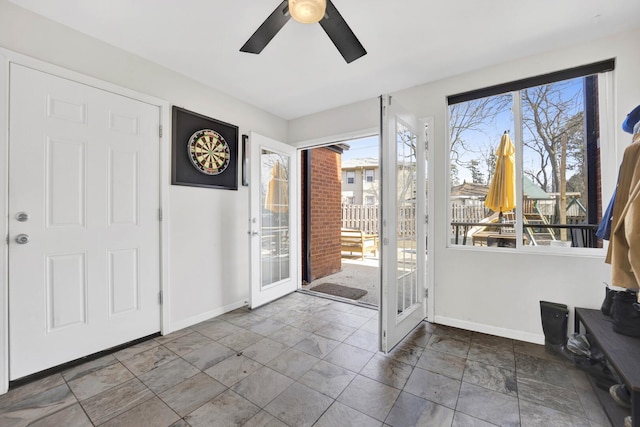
370, 200
368, 175
351, 177
553, 123
349, 200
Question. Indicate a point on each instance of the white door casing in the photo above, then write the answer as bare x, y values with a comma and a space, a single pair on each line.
403, 219
273, 224
84, 166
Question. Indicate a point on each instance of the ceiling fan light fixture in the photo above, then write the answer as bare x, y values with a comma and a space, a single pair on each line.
307, 11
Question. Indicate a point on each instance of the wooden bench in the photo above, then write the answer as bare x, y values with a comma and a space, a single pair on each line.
358, 241
622, 353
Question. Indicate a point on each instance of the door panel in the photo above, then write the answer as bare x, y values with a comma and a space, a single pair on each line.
66, 291
403, 255
274, 220
84, 166
66, 179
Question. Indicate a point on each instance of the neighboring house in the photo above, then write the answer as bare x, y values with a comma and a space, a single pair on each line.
361, 181
468, 193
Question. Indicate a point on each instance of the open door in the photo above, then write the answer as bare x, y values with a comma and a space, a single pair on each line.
274, 218
403, 252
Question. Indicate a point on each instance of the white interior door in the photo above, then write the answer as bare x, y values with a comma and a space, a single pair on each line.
274, 220
84, 242
403, 254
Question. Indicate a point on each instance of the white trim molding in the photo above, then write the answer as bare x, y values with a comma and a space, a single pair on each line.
491, 330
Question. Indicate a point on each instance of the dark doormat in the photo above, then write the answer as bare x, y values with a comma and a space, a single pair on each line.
339, 290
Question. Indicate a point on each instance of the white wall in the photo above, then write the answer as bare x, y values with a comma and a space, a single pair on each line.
208, 256
491, 290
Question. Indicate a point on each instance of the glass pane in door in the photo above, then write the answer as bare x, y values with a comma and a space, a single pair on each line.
407, 184
274, 178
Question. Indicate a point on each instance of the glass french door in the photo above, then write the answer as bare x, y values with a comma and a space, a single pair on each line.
273, 189
404, 194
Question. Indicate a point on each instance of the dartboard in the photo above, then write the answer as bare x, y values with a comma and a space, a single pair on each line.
209, 152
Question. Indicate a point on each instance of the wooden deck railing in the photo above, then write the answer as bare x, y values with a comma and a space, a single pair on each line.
581, 235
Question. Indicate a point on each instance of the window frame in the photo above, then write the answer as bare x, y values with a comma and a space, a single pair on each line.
352, 177
603, 70
366, 175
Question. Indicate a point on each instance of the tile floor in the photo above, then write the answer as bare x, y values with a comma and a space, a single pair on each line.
309, 361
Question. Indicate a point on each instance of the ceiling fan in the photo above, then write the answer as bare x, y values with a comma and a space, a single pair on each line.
308, 12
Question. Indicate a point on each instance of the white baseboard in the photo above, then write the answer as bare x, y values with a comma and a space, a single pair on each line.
491, 330
185, 323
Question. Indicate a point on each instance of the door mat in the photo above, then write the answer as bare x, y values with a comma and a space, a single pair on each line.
339, 290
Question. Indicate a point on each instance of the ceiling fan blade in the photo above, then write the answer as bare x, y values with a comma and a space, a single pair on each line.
269, 28
341, 35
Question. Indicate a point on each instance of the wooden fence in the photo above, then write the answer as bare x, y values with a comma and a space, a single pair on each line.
361, 217
365, 218
468, 213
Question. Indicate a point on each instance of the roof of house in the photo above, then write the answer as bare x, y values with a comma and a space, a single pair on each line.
470, 189
368, 162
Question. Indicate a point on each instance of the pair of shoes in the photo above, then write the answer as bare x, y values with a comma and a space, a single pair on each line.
621, 395
625, 316
627, 422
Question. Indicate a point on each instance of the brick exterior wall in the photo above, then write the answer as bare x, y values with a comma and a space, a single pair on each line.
325, 212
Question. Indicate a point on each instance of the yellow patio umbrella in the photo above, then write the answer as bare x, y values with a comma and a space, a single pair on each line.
277, 197
502, 190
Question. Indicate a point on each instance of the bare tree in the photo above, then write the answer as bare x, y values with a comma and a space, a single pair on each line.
576, 153
549, 112
473, 116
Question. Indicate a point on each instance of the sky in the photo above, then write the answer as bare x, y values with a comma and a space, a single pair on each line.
487, 137
361, 148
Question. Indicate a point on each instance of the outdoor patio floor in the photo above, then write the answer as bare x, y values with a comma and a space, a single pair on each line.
356, 273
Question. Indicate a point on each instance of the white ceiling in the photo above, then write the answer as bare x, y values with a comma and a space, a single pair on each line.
409, 42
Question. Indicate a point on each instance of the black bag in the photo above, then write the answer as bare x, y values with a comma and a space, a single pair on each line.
625, 317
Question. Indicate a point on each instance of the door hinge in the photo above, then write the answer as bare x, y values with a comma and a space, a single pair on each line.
159, 214
160, 297
160, 131
7, 240
426, 293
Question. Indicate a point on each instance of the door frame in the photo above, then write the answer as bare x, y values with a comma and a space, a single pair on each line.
6, 58
295, 245
431, 208
430, 228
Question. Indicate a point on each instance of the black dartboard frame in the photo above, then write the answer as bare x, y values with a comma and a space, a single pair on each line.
191, 130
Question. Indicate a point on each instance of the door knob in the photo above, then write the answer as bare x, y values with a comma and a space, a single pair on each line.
22, 216
22, 239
